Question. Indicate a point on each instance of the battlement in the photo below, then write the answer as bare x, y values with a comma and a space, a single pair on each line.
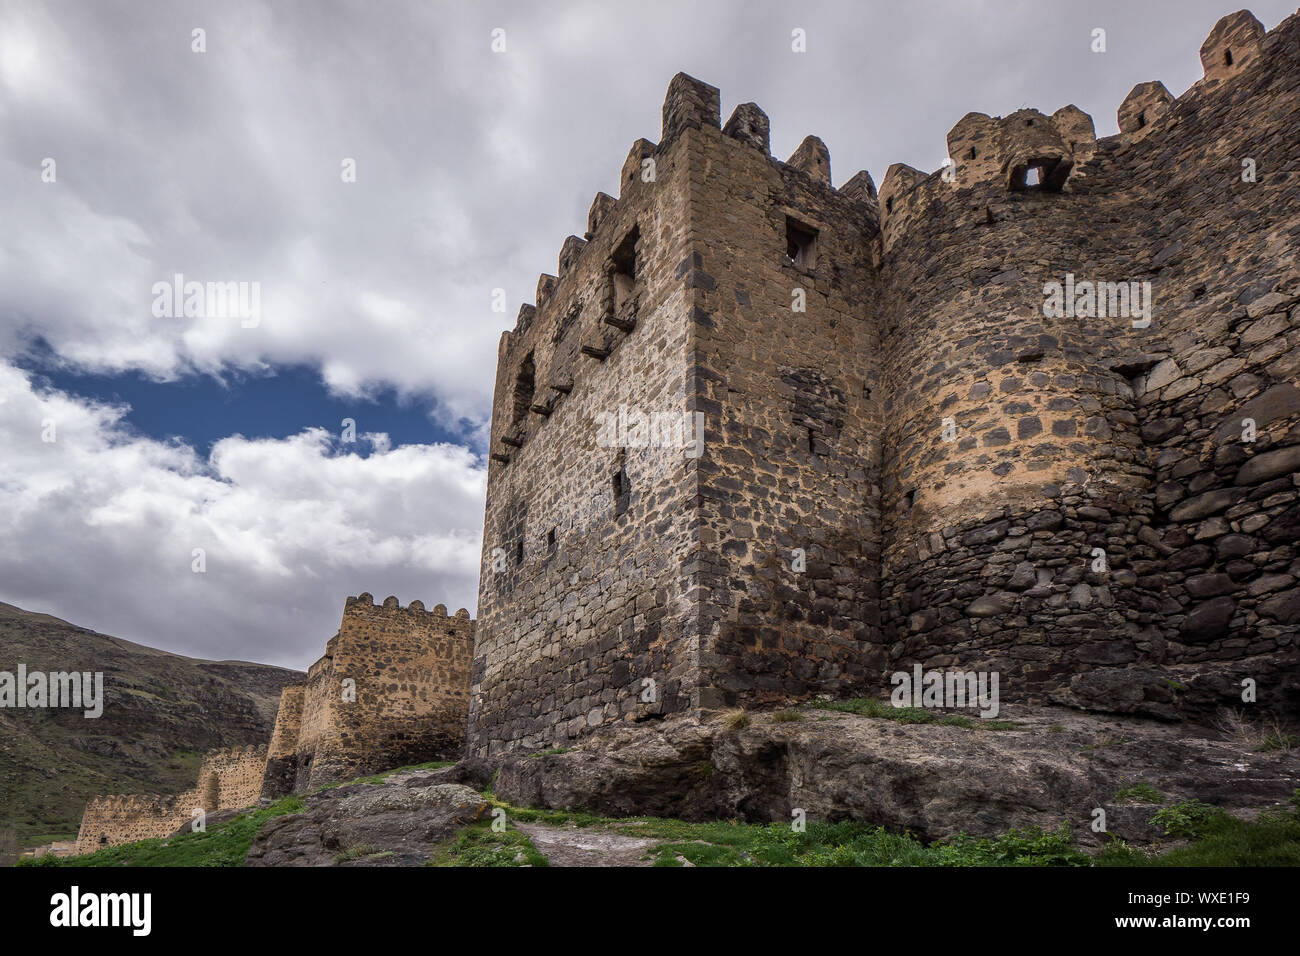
390, 690
583, 313
364, 605
1028, 151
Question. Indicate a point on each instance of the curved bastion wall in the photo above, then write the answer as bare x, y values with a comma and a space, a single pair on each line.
1084, 436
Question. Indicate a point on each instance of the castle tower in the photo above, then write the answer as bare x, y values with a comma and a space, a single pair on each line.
626, 576
980, 420
391, 690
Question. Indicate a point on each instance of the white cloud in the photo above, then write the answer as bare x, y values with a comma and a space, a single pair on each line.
100, 525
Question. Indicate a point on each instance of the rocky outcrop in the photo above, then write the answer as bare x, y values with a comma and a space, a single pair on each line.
397, 823
936, 781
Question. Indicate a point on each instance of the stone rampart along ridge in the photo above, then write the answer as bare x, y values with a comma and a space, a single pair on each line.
229, 779
392, 689
911, 455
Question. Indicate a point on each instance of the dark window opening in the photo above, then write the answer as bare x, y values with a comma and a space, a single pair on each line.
909, 500
625, 267
971, 154
621, 489
889, 204
1142, 120
812, 441
524, 387
550, 540
1227, 57
800, 243
1029, 122
519, 551
1047, 175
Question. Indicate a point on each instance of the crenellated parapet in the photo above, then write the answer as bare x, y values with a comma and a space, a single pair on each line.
1145, 104
1029, 151
390, 690
1232, 46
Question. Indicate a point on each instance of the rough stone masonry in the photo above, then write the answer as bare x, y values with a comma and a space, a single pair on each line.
391, 690
912, 454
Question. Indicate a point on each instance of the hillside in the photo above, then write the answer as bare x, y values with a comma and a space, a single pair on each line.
161, 713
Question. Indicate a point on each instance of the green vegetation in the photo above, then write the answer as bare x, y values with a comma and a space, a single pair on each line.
1213, 838
854, 844
1191, 818
883, 709
1217, 839
1275, 738
358, 852
222, 844
1139, 793
167, 712
480, 845
786, 716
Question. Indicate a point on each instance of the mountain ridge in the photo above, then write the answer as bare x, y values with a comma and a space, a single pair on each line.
162, 712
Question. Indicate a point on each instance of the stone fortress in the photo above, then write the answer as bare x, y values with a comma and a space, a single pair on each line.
229, 779
391, 689
913, 452
906, 460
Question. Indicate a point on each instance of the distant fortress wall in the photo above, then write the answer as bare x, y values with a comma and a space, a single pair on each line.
228, 779
391, 689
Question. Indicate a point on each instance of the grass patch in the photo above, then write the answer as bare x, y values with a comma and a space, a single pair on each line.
356, 853
480, 845
1262, 736
786, 716
856, 844
1218, 839
1272, 839
222, 844
735, 720
1191, 818
1138, 793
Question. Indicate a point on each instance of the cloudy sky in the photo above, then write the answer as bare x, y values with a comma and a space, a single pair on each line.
131, 434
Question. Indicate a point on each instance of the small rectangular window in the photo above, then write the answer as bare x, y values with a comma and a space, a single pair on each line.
621, 489
800, 243
524, 388
519, 552
550, 540
625, 267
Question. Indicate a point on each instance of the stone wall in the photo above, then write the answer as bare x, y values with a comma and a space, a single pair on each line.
787, 369
391, 690
1088, 435
228, 779
585, 588
926, 464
